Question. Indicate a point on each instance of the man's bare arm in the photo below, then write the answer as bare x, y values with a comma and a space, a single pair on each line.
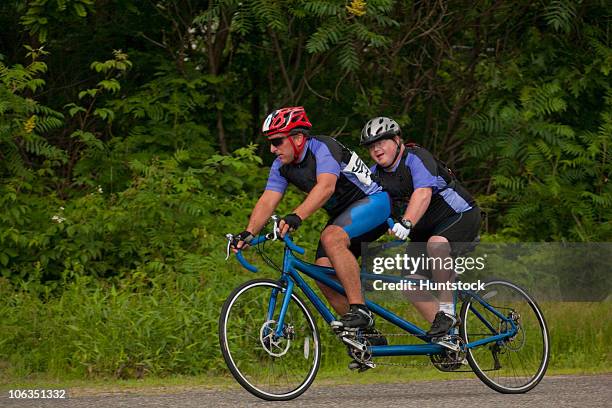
263, 210
419, 201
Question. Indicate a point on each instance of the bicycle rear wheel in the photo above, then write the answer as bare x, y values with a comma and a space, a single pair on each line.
513, 365
270, 368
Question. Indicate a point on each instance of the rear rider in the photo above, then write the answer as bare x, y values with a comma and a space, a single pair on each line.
429, 206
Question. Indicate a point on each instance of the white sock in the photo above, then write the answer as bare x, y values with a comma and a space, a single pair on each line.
447, 307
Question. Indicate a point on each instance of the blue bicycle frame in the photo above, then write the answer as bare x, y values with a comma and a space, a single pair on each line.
291, 277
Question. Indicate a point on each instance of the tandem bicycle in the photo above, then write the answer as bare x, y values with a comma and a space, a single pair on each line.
271, 343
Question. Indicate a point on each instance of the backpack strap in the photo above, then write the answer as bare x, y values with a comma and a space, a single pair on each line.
441, 167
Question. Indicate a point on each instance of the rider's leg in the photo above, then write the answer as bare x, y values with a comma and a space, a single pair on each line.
335, 299
336, 243
438, 247
357, 222
424, 302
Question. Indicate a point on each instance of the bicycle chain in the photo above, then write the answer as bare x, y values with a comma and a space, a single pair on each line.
402, 365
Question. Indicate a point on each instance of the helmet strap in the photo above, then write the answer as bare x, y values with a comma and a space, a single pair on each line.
297, 150
398, 150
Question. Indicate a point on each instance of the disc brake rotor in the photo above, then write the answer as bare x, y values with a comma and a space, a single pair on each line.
275, 347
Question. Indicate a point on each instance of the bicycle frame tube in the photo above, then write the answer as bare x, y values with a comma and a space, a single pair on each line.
323, 275
272, 304
281, 317
293, 265
495, 337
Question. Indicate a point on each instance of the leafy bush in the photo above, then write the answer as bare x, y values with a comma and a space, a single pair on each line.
168, 220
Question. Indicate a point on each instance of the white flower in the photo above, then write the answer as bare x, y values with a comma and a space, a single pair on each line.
100, 189
58, 219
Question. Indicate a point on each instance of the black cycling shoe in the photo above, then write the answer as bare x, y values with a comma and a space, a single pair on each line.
356, 365
358, 317
442, 323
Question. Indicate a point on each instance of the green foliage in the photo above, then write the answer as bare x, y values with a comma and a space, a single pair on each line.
341, 29
138, 327
23, 121
40, 12
162, 116
549, 154
166, 219
559, 15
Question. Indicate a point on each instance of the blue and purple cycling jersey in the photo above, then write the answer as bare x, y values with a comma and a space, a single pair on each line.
358, 204
324, 154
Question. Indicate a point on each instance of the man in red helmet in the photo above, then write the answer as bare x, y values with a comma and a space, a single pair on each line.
335, 179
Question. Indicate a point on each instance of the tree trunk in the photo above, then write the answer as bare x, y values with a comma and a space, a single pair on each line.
221, 130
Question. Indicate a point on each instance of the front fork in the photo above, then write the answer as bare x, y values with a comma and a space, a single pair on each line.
280, 322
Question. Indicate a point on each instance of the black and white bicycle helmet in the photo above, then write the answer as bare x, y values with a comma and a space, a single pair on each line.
379, 128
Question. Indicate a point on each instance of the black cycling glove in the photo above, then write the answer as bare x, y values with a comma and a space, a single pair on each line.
245, 236
293, 220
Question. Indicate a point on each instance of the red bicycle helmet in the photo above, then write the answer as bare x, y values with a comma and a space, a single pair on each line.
285, 120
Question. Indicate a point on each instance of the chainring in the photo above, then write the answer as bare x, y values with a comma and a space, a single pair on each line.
450, 360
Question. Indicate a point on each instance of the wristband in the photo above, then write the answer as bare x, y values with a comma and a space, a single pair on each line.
406, 223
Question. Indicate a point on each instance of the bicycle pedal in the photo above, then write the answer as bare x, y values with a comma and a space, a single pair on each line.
338, 328
354, 365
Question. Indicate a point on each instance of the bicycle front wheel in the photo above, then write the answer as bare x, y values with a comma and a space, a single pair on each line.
512, 365
269, 367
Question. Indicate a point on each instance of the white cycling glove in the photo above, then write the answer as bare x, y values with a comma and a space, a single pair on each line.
400, 231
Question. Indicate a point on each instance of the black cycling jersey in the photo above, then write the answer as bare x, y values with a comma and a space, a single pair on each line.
416, 169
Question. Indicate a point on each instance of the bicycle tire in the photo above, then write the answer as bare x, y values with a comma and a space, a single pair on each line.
247, 380
531, 323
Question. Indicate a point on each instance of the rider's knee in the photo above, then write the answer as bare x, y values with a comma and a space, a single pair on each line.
324, 261
438, 246
333, 236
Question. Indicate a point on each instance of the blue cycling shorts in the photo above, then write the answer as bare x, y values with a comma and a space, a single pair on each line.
364, 221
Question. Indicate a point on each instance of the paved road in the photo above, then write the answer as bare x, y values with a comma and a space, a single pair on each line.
562, 391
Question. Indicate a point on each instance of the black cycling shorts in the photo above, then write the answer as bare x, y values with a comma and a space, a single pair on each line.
459, 228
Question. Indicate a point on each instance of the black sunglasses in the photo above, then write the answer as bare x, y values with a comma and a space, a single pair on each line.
277, 141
